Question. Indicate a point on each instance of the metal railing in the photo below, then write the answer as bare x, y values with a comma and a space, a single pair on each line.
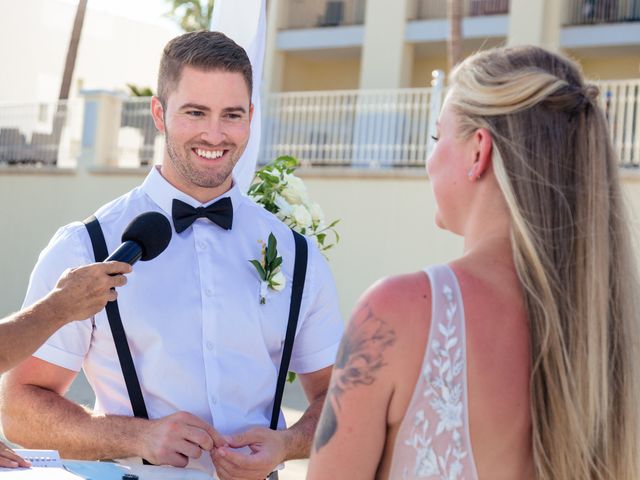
620, 100
359, 128
137, 134
435, 9
580, 12
327, 13
355, 128
44, 134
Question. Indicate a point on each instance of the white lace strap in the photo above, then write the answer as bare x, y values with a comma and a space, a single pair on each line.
445, 371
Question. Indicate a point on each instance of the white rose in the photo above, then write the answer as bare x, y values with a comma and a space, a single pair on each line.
294, 191
316, 213
301, 216
278, 281
284, 207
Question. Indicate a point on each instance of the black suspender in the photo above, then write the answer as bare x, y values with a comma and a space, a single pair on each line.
299, 274
117, 330
122, 347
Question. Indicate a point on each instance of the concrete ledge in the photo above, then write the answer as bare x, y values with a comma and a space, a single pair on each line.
107, 170
361, 173
31, 170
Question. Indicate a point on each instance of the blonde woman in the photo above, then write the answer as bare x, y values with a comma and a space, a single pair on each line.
519, 359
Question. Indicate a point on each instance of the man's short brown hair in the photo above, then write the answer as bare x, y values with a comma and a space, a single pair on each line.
203, 50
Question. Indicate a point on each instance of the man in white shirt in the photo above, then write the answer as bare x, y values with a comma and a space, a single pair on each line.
205, 349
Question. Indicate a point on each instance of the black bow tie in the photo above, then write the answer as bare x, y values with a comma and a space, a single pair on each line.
220, 213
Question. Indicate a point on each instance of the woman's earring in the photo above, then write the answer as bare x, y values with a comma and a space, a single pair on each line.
471, 177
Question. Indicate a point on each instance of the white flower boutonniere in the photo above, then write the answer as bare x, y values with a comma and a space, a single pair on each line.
268, 268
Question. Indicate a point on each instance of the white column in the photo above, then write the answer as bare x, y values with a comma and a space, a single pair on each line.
101, 125
535, 22
387, 59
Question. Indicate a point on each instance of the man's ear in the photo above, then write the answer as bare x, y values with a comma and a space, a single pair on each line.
250, 112
482, 151
157, 113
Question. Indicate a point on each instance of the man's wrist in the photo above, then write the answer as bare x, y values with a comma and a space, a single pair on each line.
50, 309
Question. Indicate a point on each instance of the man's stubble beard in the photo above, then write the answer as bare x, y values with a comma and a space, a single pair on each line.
195, 176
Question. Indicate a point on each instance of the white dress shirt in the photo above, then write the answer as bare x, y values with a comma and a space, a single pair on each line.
200, 340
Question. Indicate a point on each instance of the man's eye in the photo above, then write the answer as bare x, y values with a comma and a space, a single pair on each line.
195, 113
233, 116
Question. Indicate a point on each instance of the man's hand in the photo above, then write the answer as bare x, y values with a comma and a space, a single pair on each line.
84, 291
174, 439
9, 459
267, 451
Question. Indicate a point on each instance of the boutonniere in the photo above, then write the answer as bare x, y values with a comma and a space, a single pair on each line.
268, 268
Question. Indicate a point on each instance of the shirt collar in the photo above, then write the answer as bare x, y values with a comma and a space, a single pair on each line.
160, 191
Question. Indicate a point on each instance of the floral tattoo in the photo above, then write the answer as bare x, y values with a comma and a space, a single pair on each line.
359, 358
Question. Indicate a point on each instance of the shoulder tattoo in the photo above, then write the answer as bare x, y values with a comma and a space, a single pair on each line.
359, 359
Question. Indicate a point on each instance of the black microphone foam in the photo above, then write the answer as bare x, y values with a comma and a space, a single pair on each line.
146, 237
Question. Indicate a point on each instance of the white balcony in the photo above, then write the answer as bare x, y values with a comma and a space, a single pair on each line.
364, 129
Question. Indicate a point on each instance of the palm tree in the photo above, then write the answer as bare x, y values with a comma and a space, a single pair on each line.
454, 42
191, 15
51, 156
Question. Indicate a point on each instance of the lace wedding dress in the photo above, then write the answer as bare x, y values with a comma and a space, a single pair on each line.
433, 441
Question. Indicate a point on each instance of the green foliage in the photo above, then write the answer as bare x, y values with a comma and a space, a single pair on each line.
137, 91
191, 15
278, 190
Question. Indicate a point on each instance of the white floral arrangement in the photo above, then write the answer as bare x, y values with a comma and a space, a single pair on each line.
278, 190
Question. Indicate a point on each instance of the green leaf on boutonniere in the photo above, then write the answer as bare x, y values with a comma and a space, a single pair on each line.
271, 249
261, 272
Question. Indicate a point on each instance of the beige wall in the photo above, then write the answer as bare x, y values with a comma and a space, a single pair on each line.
615, 67
305, 73
386, 223
422, 68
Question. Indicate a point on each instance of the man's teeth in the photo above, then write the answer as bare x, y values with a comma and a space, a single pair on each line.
209, 153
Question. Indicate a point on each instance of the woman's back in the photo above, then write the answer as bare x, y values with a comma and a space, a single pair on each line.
427, 421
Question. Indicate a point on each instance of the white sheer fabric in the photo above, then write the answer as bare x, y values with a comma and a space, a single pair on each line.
433, 441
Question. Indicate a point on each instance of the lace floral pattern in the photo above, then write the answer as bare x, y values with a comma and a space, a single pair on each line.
440, 448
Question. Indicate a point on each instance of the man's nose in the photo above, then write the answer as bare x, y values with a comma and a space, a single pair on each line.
214, 132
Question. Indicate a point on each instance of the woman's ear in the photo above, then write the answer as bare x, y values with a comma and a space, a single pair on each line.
482, 149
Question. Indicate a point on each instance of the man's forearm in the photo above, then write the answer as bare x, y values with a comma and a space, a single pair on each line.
299, 437
23, 332
39, 418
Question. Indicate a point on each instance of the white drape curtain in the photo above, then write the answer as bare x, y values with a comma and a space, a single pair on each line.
245, 22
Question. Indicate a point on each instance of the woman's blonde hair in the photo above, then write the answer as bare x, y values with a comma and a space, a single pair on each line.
553, 159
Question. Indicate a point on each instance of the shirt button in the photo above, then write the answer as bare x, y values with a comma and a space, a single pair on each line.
214, 400
202, 245
208, 292
209, 345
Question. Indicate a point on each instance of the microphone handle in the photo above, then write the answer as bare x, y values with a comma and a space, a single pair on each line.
129, 252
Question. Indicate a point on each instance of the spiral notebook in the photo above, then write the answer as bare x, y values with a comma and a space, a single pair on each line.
41, 461
41, 458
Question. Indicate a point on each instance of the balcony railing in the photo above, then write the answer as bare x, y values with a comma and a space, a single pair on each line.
621, 102
436, 9
357, 128
581, 12
44, 134
323, 13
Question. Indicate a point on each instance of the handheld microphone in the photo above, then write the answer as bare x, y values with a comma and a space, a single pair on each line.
146, 237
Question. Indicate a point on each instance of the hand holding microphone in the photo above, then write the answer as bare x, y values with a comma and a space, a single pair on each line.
83, 291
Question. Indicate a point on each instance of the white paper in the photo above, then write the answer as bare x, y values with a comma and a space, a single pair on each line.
37, 473
41, 458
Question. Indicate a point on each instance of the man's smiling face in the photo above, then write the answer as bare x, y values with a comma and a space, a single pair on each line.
206, 123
